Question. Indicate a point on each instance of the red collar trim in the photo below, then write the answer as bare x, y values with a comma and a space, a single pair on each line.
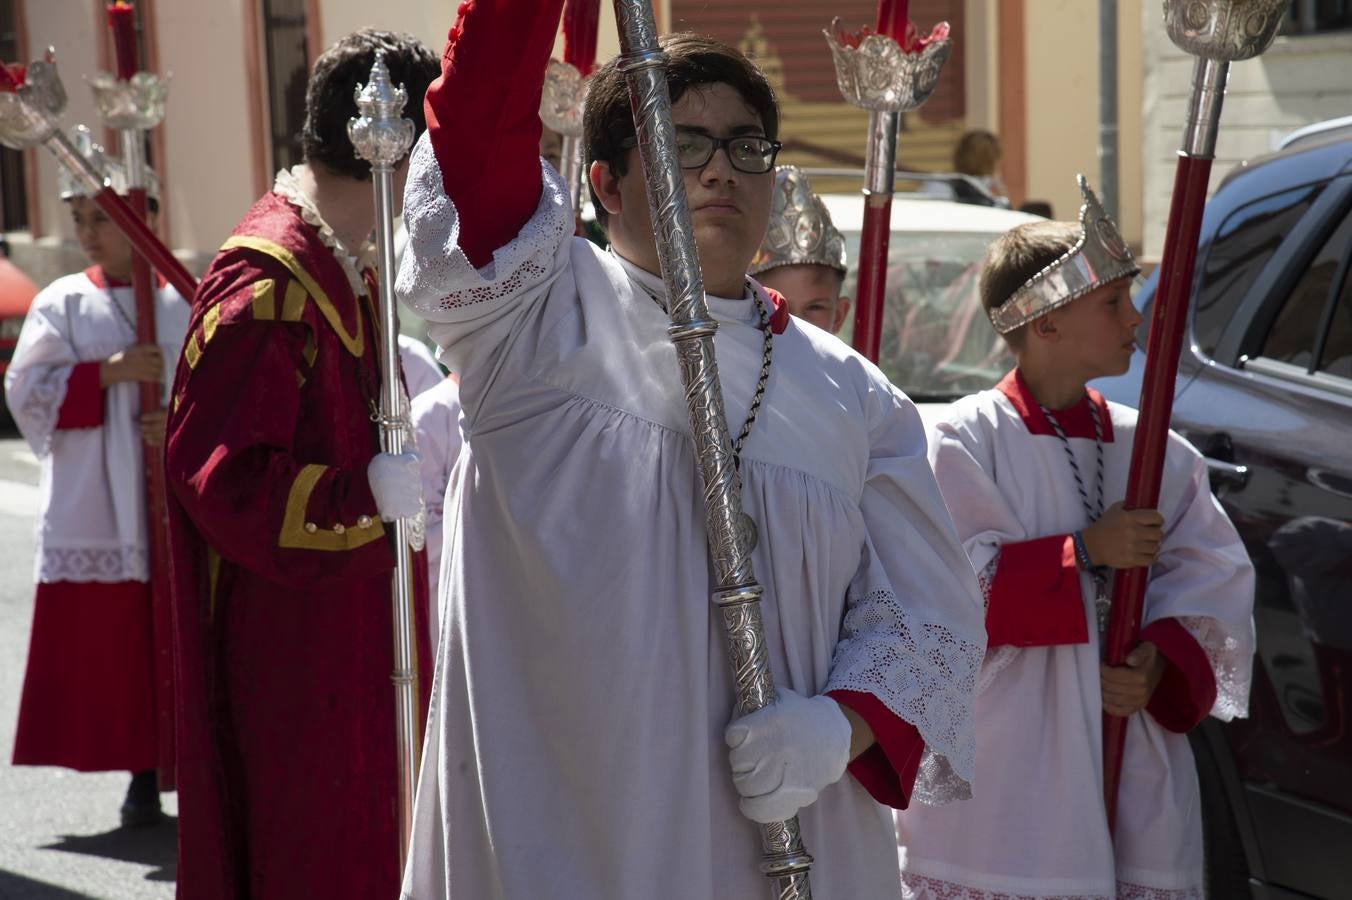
779, 314
104, 282
1076, 420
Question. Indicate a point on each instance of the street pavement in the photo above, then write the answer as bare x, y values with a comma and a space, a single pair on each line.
59, 832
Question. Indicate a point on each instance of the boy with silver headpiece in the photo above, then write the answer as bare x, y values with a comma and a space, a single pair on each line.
803, 255
88, 699
1029, 471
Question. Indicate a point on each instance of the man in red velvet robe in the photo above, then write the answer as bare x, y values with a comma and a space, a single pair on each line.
282, 565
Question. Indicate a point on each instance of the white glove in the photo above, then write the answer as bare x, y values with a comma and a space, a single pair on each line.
396, 484
783, 755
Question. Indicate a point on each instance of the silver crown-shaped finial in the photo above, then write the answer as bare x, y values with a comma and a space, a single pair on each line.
380, 134
800, 232
1223, 30
136, 103
874, 71
29, 115
561, 103
107, 166
1099, 257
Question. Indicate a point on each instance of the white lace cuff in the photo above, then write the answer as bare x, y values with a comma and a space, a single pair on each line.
436, 278
40, 393
1231, 661
922, 672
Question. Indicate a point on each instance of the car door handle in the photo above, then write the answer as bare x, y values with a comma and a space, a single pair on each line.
1226, 474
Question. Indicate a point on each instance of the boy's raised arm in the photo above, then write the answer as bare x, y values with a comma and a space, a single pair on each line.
483, 117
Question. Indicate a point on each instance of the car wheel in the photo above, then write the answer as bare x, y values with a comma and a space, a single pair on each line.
1225, 872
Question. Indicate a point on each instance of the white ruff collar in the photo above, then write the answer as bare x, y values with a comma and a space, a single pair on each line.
287, 186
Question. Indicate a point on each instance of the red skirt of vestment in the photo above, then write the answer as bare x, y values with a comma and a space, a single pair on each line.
88, 697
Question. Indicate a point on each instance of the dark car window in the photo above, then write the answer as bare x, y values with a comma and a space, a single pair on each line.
1243, 245
1336, 358
1294, 336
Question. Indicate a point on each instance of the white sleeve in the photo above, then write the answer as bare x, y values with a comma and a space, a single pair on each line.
471, 312
914, 634
421, 371
1203, 578
436, 425
35, 383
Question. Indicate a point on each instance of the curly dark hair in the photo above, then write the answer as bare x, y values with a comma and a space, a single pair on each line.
329, 101
692, 60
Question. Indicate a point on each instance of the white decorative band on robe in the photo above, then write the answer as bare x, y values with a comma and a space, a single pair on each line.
926, 676
431, 220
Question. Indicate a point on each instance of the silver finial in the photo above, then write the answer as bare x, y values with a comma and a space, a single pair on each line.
380, 135
1223, 30
875, 73
29, 116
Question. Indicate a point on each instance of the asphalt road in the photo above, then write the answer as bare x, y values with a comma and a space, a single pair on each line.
59, 832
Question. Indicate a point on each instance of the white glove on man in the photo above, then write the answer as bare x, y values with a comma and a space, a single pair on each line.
783, 755
396, 484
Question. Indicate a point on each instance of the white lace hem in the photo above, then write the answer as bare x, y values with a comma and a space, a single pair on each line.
85, 564
919, 887
437, 278
923, 673
43, 391
1231, 660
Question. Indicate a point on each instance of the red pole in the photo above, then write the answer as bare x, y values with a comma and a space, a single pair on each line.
581, 27
872, 287
1168, 324
146, 243
121, 20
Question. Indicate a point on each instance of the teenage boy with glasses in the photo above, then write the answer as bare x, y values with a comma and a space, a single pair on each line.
582, 678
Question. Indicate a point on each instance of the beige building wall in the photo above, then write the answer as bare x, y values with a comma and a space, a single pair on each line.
1300, 80
1062, 105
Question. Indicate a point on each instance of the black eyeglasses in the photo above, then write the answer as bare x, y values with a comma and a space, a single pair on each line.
749, 153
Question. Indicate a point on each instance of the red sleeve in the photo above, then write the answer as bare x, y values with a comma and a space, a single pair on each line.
1035, 598
83, 406
483, 117
231, 461
1187, 691
887, 769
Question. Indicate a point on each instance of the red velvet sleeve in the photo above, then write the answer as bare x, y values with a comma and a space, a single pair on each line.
887, 770
231, 463
1035, 598
1187, 691
483, 117
83, 406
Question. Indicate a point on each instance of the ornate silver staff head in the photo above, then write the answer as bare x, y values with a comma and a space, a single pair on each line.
1100, 256
1223, 30
380, 135
874, 71
113, 171
29, 115
137, 103
565, 94
800, 232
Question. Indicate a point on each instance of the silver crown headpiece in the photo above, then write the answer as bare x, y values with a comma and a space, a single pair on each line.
800, 232
110, 167
1100, 256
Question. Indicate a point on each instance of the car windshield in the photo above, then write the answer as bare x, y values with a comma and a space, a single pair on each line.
937, 344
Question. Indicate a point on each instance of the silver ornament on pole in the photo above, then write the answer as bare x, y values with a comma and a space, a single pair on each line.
731, 532
561, 104
381, 136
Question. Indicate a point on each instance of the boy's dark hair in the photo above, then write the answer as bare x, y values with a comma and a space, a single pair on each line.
1018, 255
329, 101
692, 60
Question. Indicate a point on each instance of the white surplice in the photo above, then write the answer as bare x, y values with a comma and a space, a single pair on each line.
1035, 826
91, 510
436, 427
421, 372
575, 742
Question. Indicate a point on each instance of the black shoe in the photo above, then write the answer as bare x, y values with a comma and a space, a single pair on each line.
142, 806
